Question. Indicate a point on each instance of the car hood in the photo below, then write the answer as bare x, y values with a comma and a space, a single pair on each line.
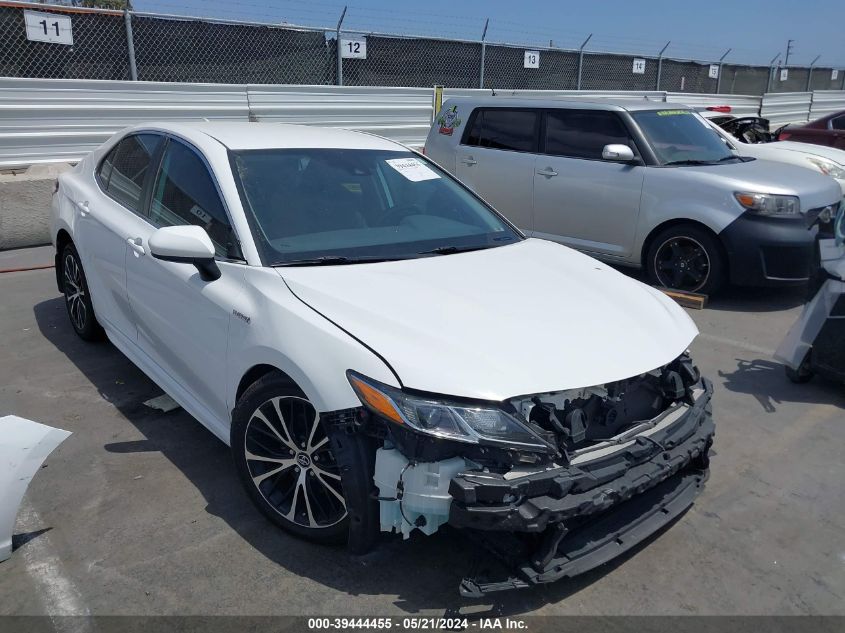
531, 317
831, 153
768, 176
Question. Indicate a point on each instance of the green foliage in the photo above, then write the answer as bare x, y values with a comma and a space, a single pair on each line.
104, 4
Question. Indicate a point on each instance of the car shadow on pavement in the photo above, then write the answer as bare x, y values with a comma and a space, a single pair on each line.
742, 299
766, 381
423, 573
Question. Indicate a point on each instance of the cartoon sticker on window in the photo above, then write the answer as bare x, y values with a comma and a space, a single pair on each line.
448, 120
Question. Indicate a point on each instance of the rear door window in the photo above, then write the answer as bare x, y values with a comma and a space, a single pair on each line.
583, 133
124, 169
838, 123
504, 128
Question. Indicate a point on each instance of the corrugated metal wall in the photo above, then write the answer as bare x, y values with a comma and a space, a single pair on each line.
741, 105
53, 120
786, 107
60, 120
826, 102
402, 114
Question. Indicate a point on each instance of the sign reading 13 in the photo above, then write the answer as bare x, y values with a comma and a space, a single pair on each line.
532, 59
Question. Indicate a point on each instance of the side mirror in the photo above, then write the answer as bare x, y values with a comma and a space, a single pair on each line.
618, 152
186, 244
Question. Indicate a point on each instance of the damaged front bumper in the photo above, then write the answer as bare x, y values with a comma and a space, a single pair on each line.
604, 501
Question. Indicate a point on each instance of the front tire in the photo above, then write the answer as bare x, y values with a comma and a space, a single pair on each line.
80, 309
803, 374
285, 461
686, 257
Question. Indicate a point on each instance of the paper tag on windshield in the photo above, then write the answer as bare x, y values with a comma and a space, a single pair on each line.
412, 169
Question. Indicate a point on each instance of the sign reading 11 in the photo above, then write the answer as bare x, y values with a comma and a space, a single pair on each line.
48, 27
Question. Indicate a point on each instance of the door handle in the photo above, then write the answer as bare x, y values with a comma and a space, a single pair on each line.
469, 160
84, 209
137, 245
548, 172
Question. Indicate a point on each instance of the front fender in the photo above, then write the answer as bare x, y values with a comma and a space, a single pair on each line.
276, 328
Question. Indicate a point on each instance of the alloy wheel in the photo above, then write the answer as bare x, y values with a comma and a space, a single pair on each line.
75, 292
290, 462
682, 263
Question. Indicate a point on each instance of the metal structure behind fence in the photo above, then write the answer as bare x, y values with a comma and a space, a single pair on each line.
149, 47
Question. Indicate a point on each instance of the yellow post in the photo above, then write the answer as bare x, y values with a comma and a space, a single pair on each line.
438, 100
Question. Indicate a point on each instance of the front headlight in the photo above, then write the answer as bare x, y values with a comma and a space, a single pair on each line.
442, 418
827, 167
768, 204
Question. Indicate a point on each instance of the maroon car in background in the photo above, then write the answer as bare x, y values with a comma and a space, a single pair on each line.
828, 130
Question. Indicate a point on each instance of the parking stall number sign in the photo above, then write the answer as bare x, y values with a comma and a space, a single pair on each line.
353, 48
532, 59
714, 71
834, 74
784, 74
48, 27
639, 67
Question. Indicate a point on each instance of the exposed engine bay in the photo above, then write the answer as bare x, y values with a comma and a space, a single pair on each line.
628, 455
581, 417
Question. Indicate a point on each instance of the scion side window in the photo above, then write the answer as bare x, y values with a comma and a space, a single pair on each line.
838, 123
184, 193
583, 133
123, 171
514, 130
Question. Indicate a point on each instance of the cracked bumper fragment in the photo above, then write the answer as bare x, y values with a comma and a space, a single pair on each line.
585, 513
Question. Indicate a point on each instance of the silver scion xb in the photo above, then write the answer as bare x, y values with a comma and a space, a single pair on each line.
639, 183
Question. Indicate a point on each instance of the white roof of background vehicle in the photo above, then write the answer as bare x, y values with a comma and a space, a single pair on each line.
246, 135
599, 103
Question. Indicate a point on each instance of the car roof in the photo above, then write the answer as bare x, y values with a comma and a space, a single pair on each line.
591, 103
247, 135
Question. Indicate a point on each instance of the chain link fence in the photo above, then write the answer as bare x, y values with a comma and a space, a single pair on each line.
147, 47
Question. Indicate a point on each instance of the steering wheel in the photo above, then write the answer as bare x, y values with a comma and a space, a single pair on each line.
396, 214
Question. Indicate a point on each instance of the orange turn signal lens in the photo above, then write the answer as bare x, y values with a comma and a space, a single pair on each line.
745, 199
376, 400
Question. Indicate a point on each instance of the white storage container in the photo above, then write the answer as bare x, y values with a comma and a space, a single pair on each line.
426, 491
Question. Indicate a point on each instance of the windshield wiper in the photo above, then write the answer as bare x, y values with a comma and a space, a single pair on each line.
449, 250
336, 260
702, 162
689, 162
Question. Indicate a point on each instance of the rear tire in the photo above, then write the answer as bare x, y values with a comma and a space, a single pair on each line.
80, 309
686, 257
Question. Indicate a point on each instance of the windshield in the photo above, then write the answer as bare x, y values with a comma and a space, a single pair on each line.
681, 137
345, 205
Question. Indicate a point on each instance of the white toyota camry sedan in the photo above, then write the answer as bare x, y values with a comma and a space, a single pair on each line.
380, 348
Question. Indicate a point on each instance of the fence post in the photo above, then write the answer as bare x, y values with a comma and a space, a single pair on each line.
719, 78
130, 44
810, 72
581, 61
483, 51
660, 64
339, 52
771, 72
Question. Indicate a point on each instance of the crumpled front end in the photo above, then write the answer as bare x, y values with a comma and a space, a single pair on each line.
569, 518
590, 472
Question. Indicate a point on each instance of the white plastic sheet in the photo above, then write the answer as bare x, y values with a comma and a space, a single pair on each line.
24, 445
